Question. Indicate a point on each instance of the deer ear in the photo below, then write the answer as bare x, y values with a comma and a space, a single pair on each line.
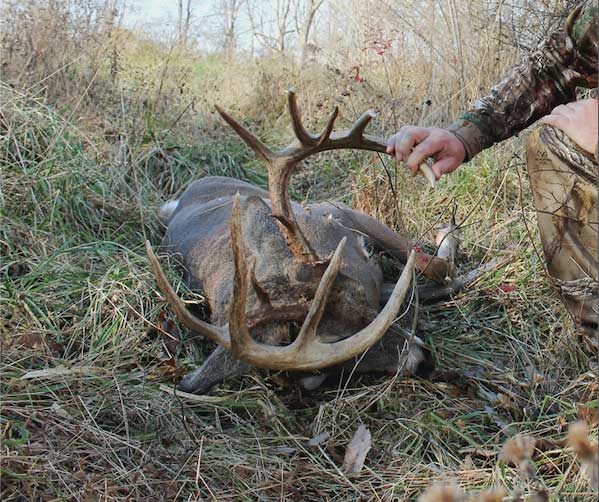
256, 210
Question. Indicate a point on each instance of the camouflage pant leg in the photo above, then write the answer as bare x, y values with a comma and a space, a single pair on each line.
564, 185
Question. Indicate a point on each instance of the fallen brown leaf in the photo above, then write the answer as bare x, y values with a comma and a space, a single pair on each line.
167, 368
170, 333
319, 439
36, 341
356, 451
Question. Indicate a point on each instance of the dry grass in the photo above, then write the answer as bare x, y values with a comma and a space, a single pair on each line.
88, 410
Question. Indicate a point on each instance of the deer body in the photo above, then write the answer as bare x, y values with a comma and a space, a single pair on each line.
290, 288
198, 235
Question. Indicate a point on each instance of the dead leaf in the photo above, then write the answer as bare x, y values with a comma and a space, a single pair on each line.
59, 371
504, 401
167, 368
319, 439
534, 375
540, 495
59, 410
587, 413
170, 333
36, 341
561, 422
356, 451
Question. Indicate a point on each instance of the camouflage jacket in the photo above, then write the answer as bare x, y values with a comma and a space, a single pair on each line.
548, 77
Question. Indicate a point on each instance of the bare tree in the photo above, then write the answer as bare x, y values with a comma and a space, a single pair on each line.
273, 39
230, 10
306, 26
108, 13
283, 8
184, 14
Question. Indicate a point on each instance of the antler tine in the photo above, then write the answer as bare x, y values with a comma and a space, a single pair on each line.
308, 331
328, 129
359, 126
240, 336
216, 334
342, 350
252, 141
304, 137
308, 353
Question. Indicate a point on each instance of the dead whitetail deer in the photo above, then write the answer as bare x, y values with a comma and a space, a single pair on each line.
290, 287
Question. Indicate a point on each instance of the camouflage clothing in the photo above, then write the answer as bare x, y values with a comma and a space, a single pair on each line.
563, 178
564, 186
532, 88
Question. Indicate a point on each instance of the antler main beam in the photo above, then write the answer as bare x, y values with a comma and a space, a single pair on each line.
282, 164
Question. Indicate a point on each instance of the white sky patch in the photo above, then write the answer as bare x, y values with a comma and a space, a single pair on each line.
160, 17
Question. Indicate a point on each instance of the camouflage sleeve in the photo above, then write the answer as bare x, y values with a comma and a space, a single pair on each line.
532, 88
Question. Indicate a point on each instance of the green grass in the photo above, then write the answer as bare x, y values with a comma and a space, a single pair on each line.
77, 295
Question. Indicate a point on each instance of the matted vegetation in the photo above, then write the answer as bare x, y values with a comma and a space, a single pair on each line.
88, 371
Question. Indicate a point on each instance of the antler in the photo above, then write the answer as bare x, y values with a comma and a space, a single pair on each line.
306, 352
281, 164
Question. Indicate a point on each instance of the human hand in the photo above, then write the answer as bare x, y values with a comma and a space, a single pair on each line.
414, 144
578, 120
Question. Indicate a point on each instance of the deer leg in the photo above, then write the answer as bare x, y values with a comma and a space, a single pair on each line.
219, 366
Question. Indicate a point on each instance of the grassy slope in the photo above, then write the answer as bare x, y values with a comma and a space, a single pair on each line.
78, 300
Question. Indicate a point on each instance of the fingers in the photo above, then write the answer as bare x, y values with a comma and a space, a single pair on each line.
405, 140
428, 148
411, 137
391, 145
